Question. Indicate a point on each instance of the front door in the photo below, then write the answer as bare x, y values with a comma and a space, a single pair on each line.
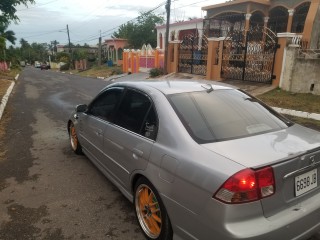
128, 142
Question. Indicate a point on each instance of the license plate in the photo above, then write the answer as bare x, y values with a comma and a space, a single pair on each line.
305, 182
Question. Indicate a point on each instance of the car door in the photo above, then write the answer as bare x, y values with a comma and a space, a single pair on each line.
94, 121
129, 140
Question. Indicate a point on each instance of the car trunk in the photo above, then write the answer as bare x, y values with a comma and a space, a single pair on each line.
293, 153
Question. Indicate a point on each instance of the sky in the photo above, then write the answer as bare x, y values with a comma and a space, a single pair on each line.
47, 20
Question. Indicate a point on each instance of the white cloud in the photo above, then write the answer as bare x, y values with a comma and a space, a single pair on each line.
41, 21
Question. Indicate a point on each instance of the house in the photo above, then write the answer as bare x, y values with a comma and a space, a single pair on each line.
298, 16
257, 41
91, 50
113, 49
179, 30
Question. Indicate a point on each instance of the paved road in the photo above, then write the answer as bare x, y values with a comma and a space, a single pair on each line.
47, 192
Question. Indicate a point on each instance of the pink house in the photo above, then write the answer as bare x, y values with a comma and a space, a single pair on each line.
113, 49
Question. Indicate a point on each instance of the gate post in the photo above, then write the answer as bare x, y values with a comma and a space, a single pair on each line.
283, 40
214, 60
173, 54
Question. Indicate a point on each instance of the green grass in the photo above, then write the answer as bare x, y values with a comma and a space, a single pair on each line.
9, 74
305, 102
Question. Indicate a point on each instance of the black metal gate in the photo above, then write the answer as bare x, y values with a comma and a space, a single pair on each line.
193, 53
249, 57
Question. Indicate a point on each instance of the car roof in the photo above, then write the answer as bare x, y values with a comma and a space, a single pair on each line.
168, 87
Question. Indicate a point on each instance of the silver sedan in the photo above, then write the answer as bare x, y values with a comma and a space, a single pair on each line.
202, 160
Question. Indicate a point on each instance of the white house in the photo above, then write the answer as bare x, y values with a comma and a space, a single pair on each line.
178, 30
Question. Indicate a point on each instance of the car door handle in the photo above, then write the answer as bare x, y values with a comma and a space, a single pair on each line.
136, 153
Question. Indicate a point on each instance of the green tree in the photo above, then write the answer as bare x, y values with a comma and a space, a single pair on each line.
142, 31
8, 9
63, 57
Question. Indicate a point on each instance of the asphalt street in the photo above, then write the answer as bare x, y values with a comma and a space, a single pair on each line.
46, 191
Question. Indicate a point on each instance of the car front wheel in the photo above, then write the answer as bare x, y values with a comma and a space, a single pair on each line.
75, 145
150, 211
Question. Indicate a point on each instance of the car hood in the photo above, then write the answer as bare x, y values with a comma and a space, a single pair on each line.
268, 148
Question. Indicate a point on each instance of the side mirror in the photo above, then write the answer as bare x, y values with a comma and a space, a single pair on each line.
81, 108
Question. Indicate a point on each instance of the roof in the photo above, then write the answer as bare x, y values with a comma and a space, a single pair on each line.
235, 2
196, 20
168, 87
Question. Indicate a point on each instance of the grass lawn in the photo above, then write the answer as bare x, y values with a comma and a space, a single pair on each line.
305, 102
102, 71
9, 74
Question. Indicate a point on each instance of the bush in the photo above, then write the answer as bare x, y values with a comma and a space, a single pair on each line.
155, 72
65, 67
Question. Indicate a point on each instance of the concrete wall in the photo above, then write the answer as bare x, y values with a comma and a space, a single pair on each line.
300, 75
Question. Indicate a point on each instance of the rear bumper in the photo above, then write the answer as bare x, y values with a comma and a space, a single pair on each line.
246, 221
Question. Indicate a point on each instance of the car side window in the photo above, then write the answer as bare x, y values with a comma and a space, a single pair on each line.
135, 113
105, 104
150, 125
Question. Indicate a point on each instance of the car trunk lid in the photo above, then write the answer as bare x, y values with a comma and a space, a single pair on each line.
293, 153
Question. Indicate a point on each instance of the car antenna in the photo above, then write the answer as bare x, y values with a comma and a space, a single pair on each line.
210, 89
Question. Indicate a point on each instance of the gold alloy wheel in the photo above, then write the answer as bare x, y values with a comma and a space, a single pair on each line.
73, 137
148, 211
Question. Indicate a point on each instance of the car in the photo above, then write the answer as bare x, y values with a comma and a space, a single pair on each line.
202, 160
44, 67
37, 64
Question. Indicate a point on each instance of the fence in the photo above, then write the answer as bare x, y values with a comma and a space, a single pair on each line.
142, 60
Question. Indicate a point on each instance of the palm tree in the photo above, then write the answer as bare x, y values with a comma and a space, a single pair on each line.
7, 34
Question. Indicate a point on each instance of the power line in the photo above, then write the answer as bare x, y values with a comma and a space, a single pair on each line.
40, 5
44, 33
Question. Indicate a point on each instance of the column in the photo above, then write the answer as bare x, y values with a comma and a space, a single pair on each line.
290, 19
265, 26
248, 16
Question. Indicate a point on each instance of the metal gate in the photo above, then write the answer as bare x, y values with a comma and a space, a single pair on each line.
193, 54
249, 57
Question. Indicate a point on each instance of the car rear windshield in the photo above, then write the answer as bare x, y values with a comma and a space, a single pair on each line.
218, 115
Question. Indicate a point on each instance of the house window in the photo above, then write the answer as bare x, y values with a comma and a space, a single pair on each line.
256, 20
221, 25
120, 54
278, 20
299, 17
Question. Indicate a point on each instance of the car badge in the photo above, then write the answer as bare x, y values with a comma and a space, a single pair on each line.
313, 160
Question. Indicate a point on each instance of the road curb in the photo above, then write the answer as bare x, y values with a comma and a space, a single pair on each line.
314, 116
5, 98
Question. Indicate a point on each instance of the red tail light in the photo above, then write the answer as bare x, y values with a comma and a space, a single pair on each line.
247, 185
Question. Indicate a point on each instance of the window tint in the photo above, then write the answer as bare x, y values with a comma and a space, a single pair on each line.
133, 111
223, 114
105, 104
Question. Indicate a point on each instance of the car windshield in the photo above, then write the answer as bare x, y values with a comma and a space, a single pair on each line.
219, 115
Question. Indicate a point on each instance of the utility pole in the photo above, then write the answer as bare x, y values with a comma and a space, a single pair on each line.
70, 60
99, 53
168, 5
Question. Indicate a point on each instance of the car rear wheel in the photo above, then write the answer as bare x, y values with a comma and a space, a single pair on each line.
75, 145
150, 211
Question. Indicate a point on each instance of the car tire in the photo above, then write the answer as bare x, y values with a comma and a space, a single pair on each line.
75, 144
150, 211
